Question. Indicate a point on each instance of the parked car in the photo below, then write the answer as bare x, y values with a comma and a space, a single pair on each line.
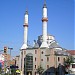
72, 68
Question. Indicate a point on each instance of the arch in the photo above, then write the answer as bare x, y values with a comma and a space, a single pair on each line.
28, 64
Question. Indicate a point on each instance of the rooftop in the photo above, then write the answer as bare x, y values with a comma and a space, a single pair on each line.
72, 52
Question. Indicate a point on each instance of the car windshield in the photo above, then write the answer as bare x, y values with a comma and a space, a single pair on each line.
73, 65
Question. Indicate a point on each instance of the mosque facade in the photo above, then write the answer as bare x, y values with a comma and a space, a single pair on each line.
46, 52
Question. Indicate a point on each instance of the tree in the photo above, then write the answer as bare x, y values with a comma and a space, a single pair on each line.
69, 60
13, 71
40, 70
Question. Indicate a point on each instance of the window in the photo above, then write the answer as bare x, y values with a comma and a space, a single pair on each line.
42, 52
47, 66
64, 59
58, 58
35, 58
35, 51
47, 58
41, 59
35, 66
29, 62
35, 73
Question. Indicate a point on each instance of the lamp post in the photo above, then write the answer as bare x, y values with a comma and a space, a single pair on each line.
10, 56
10, 52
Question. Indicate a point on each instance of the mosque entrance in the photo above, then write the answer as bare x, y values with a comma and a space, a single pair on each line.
29, 73
28, 64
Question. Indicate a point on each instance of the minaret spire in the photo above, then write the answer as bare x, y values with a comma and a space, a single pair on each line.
26, 12
44, 22
44, 4
24, 46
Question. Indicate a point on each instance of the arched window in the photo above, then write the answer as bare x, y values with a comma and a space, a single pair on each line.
35, 51
42, 52
47, 59
58, 58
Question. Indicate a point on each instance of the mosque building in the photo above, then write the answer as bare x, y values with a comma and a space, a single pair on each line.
45, 53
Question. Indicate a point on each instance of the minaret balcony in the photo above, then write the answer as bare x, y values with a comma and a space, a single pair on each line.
25, 25
44, 19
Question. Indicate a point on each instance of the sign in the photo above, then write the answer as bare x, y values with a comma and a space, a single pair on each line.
17, 71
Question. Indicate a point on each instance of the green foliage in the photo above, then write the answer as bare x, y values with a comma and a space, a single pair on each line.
40, 70
13, 71
69, 60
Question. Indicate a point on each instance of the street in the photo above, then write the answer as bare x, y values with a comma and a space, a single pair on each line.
69, 74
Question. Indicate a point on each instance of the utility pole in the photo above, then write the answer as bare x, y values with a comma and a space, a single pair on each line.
10, 52
10, 58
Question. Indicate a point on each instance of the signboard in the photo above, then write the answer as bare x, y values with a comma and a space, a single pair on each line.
1, 60
17, 71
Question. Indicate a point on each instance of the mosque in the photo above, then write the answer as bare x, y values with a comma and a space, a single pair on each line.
45, 53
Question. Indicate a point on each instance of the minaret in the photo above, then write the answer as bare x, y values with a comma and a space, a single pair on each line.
24, 46
44, 22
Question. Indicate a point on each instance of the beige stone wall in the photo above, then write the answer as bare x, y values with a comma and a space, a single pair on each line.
52, 58
50, 53
17, 58
61, 59
38, 56
13, 62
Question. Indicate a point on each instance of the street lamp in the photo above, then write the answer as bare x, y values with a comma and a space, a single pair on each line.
10, 56
10, 51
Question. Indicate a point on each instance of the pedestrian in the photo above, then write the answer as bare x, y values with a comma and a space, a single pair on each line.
61, 70
52, 71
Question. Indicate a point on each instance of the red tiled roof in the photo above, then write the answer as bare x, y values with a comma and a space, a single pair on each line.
72, 52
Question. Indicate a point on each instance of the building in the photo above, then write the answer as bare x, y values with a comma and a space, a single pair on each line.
1, 60
13, 62
72, 65
7, 60
46, 52
17, 58
72, 53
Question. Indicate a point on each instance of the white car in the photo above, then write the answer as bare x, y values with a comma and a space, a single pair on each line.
72, 68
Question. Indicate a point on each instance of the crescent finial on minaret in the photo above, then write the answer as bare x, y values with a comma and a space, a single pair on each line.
44, 4
26, 11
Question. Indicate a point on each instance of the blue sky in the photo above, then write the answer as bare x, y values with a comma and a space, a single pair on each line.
60, 22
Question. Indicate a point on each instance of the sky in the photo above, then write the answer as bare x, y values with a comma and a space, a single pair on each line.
60, 22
